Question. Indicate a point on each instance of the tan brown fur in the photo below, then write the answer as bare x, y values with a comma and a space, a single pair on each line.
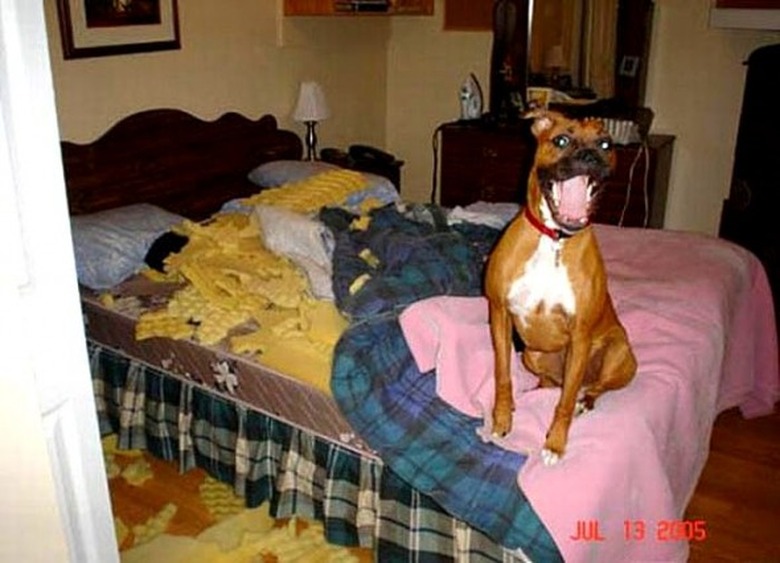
589, 348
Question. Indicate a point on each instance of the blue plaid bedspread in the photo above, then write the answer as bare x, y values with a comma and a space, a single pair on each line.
393, 406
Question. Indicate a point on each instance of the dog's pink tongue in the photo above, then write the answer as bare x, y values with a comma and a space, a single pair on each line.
573, 204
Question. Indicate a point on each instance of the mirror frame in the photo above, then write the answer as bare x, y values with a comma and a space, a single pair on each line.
632, 41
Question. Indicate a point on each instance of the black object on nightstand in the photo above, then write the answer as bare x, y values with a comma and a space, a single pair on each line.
366, 159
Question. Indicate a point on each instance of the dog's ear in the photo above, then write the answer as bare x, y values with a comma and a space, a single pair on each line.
543, 120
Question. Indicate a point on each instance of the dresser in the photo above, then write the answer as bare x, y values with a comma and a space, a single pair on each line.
488, 162
358, 7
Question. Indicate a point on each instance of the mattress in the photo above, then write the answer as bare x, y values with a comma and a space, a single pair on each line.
217, 369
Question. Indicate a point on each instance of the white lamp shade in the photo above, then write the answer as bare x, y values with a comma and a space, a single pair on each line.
554, 58
311, 104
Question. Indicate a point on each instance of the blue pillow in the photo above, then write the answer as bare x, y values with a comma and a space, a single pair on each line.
280, 172
110, 245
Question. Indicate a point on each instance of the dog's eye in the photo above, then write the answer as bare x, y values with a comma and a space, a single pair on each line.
605, 144
561, 141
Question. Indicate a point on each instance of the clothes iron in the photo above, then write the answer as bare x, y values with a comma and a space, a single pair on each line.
471, 102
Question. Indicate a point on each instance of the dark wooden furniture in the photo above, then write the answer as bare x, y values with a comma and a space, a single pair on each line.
480, 161
191, 169
749, 215
357, 7
509, 59
749, 4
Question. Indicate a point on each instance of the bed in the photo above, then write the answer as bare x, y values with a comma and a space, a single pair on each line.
389, 449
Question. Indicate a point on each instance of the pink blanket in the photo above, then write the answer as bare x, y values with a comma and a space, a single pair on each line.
699, 316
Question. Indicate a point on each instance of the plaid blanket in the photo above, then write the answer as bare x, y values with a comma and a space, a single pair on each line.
417, 256
360, 500
395, 408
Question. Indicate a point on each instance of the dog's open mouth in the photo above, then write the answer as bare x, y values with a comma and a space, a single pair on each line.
569, 201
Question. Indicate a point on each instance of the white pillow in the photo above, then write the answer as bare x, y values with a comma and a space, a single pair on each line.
305, 241
110, 245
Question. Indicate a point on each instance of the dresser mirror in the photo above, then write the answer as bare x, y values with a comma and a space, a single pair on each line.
572, 46
584, 48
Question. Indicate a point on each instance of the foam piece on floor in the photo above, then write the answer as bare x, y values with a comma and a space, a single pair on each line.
230, 533
138, 472
173, 549
121, 530
109, 444
243, 538
155, 526
220, 499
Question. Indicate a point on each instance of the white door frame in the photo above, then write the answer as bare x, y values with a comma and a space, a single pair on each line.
52, 478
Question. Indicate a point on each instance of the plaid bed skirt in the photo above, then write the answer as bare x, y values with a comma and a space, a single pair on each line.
360, 501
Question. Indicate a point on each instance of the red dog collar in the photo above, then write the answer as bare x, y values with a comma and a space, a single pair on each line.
555, 234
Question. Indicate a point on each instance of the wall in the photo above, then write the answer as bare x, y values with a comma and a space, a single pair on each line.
426, 67
392, 81
245, 58
695, 86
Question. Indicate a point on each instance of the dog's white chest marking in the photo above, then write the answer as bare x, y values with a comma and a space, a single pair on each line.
544, 280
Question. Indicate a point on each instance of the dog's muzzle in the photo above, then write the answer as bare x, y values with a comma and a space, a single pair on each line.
570, 186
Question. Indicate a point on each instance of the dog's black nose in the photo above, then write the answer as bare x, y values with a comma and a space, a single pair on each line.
590, 157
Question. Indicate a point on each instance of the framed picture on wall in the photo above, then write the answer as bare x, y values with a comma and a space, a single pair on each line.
97, 28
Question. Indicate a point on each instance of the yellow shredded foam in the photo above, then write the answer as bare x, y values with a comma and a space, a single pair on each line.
156, 525
309, 195
358, 283
138, 472
361, 223
369, 204
121, 530
220, 499
369, 257
156, 275
238, 292
249, 537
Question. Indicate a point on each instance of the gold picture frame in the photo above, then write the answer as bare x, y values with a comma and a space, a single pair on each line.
538, 97
98, 28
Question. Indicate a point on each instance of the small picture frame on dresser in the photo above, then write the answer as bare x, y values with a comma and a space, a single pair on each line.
629, 66
539, 97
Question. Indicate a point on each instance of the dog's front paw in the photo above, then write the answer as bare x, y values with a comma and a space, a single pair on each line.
554, 446
549, 457
502, 422
582, 406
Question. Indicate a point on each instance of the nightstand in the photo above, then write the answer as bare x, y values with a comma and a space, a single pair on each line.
389, 168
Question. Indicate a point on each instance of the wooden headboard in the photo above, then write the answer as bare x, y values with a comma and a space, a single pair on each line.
175, 160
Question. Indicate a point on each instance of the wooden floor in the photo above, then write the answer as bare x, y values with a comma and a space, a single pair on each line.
738, 496
135, 504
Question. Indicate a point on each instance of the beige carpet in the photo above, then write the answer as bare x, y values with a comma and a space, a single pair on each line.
161, 515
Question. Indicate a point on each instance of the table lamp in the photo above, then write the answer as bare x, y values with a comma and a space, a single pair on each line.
310, 109
554, 62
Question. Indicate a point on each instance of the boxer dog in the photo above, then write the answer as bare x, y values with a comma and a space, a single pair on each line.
546, 278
